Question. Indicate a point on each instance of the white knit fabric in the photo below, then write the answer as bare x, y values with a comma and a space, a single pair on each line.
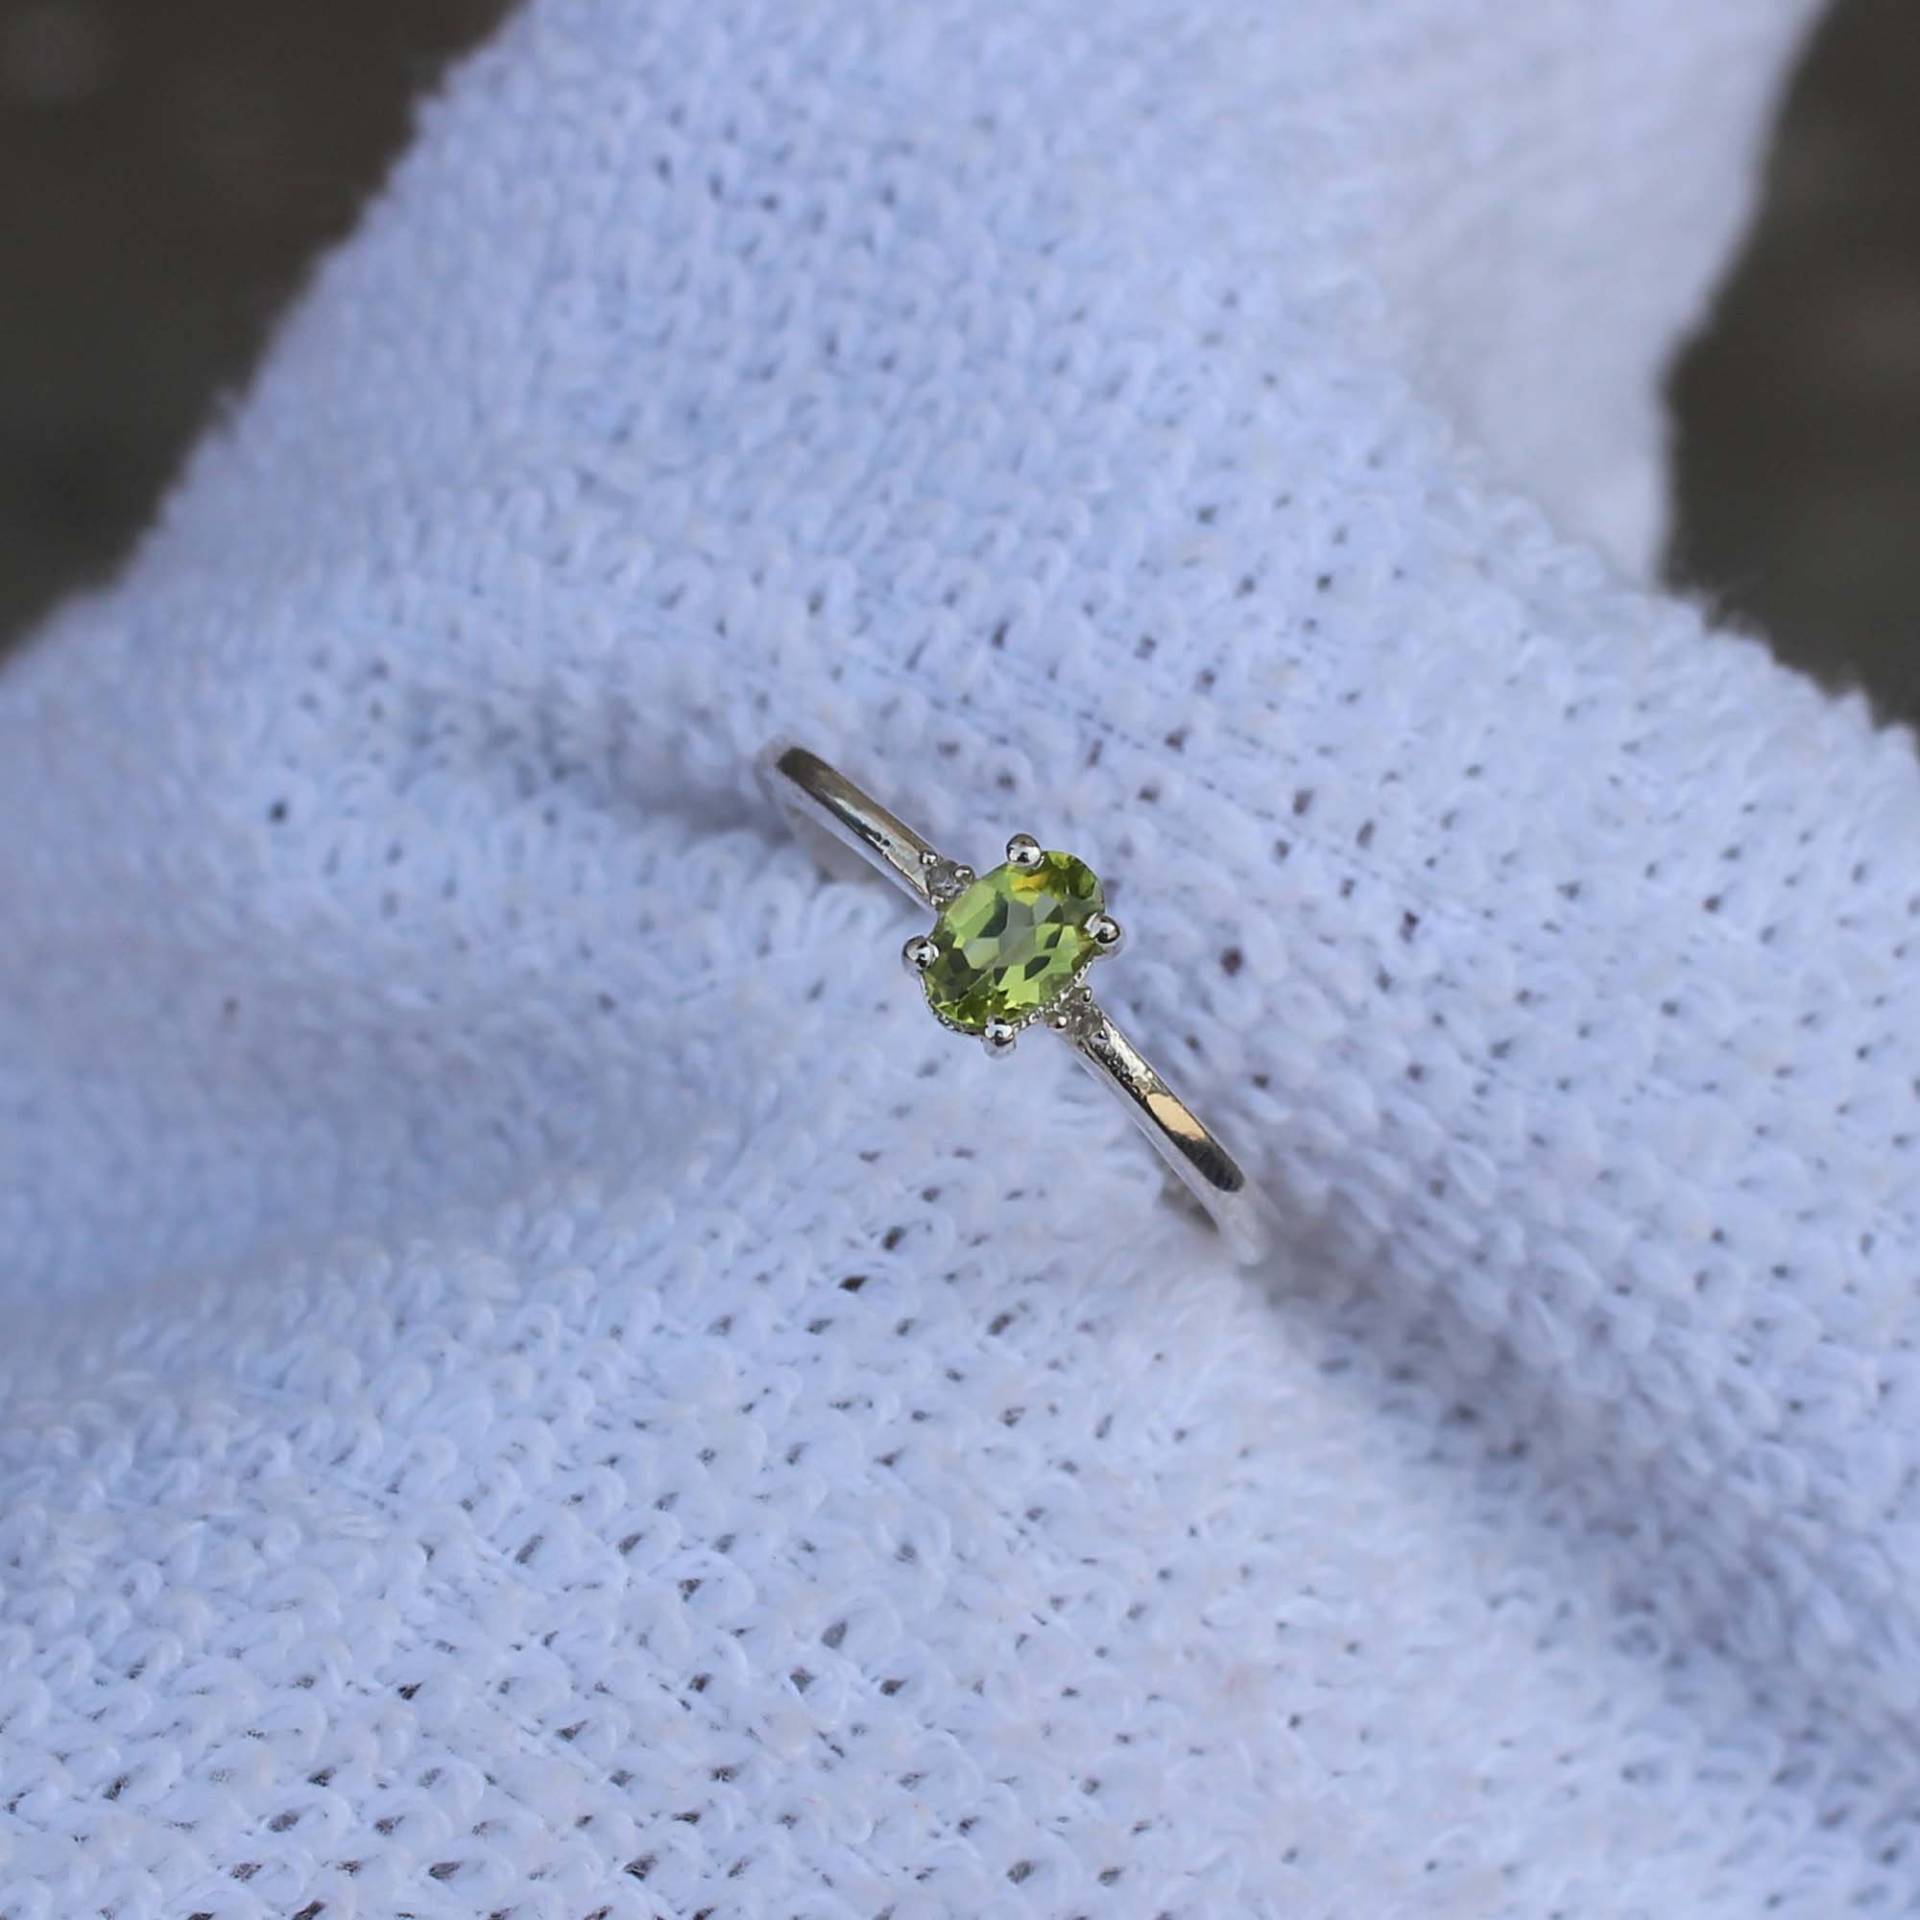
539, 1383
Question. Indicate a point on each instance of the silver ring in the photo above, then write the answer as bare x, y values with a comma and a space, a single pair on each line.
1010, 949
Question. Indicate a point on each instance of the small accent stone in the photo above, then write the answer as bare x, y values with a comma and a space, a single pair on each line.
1013, 942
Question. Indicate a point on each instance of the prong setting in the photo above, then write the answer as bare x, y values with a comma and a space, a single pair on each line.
1106, 933
998, 1037
1003, 950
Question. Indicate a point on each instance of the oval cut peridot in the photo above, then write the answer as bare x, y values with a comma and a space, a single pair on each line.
1013, 942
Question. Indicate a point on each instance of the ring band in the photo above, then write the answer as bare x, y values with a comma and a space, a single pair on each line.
1008, 949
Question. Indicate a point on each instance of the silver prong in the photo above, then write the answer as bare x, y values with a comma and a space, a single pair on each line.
1060, 1016
998, 1036
1023, 850
919, 953
1105, 932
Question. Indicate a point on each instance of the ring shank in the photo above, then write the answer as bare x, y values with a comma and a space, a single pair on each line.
811, 789
1205, 1168
807, 786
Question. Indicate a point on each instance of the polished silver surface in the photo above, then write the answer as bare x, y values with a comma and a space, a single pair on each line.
810, 788
805, 784
998, 1037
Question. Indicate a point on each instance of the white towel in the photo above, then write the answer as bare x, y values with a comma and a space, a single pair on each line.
539, 1383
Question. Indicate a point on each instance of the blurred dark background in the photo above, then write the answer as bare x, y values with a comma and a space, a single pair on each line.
168, 170
169, 167
1797, 450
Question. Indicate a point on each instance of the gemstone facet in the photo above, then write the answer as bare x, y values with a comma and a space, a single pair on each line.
1013, 942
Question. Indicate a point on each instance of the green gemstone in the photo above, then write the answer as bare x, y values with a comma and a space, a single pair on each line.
1013, 942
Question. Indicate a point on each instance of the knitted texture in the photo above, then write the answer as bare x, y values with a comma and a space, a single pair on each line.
541, 1384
